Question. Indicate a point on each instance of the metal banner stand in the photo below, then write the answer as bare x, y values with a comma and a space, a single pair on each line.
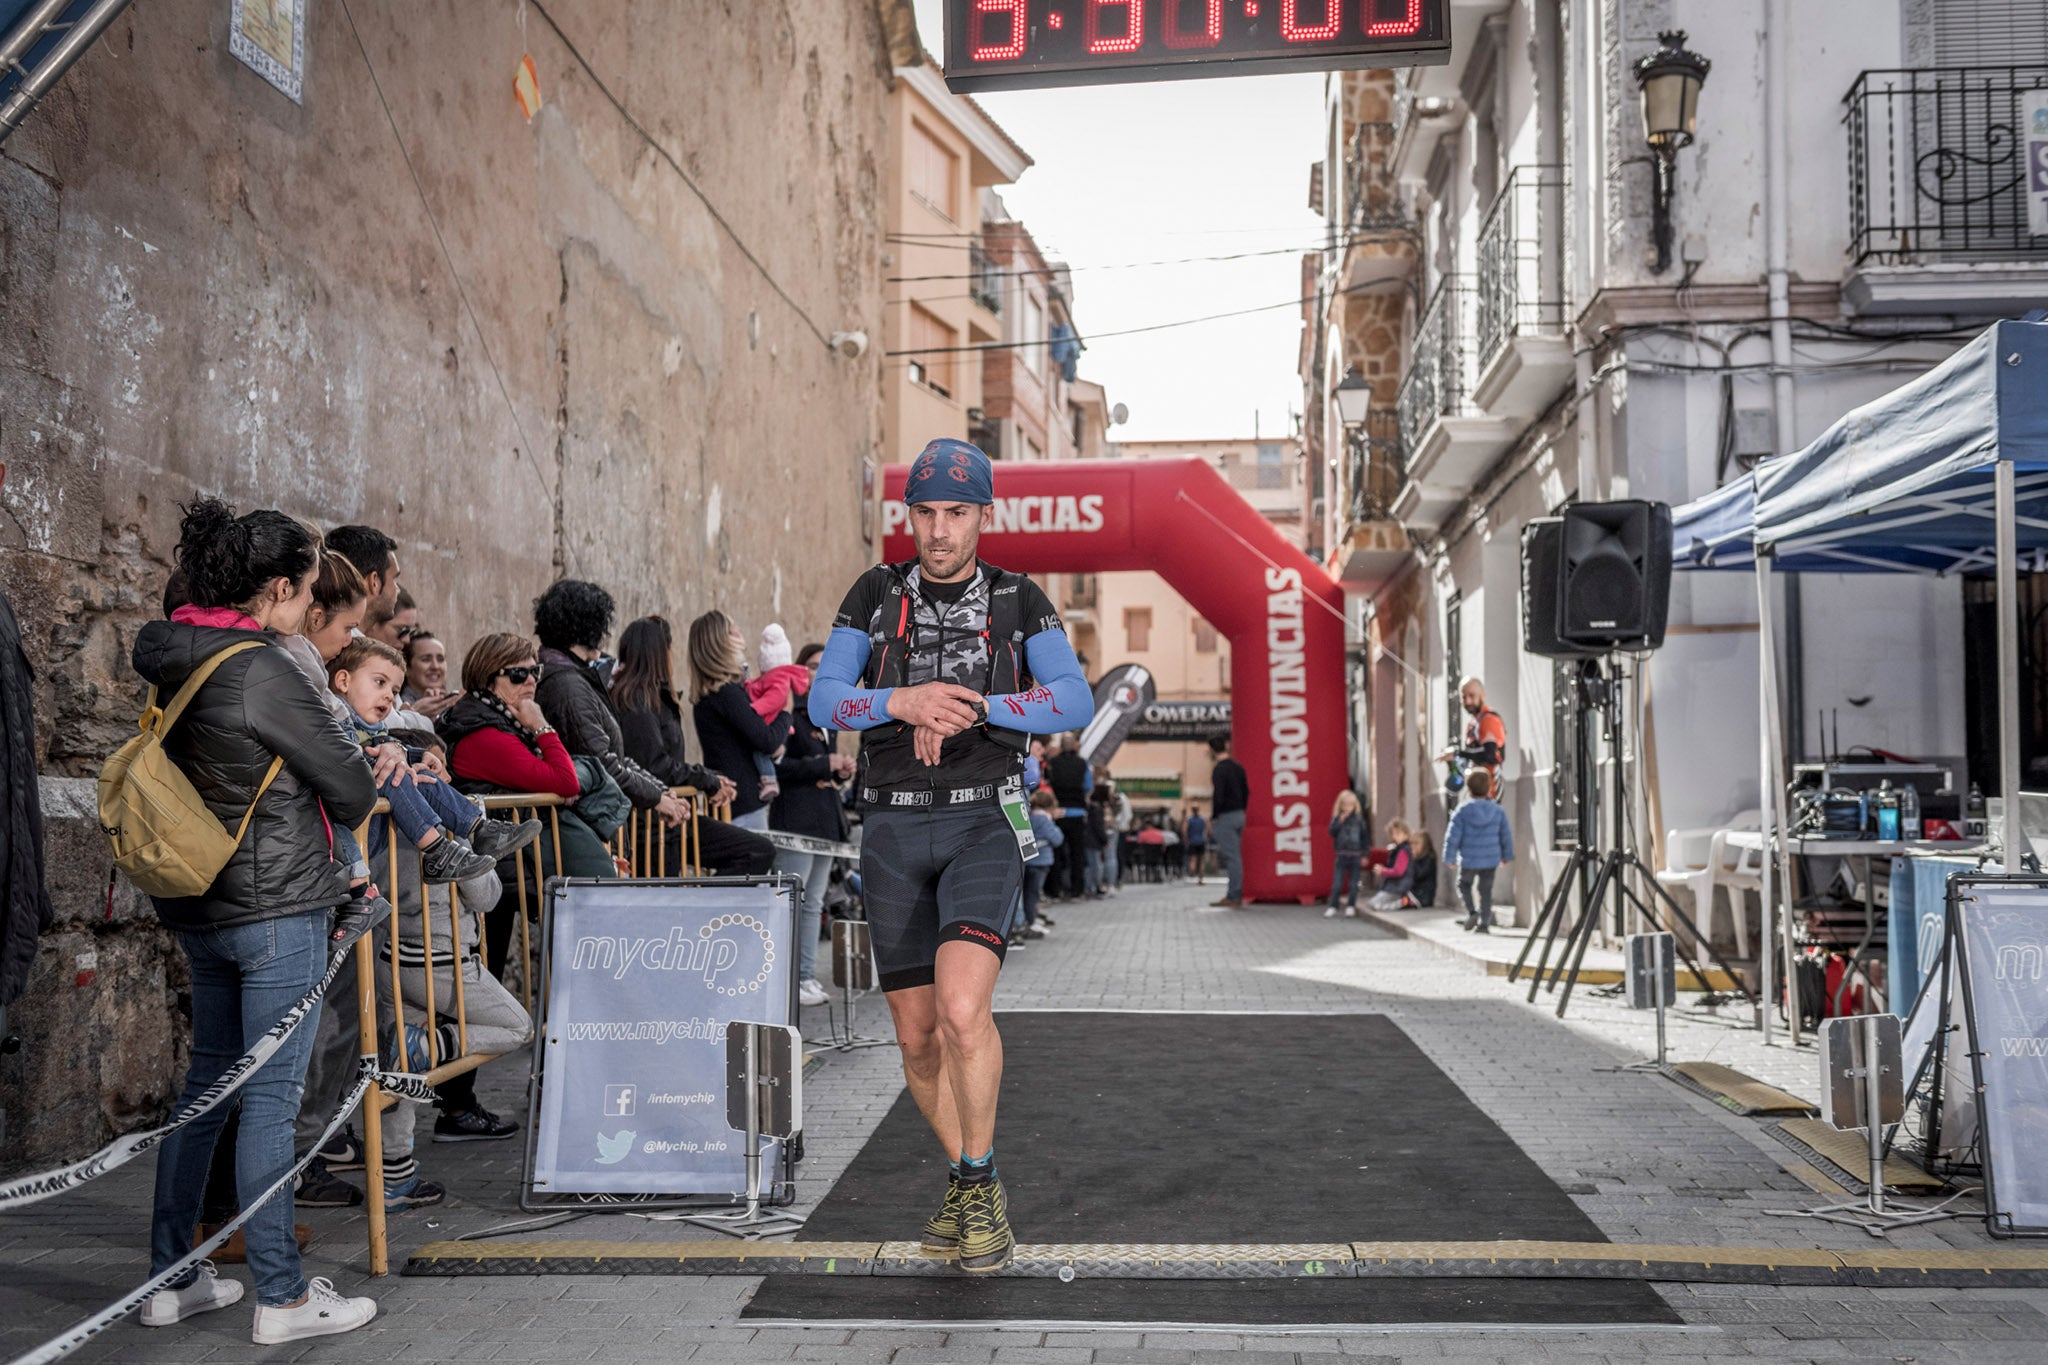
1860, 1063
853, 972
762, 1099
1652, 983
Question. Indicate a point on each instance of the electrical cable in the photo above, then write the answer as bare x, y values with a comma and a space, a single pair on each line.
1064, 268
532, 455
1128, 331
683, 175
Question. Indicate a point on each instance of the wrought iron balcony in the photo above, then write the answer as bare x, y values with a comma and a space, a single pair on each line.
1937, 170
985, 278
1440, 367
1521, 280
1375, 466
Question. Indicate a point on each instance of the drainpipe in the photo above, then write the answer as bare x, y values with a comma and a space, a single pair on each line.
1778, 227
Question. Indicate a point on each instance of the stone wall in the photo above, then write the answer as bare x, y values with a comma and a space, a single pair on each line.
548, 356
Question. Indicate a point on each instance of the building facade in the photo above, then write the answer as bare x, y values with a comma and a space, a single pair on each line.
1845, 215
946, 287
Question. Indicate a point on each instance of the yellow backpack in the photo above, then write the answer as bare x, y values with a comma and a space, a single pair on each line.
165, 838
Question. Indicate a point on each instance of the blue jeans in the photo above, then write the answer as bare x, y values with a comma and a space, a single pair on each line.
243, 980
1345, 877
417, 807
815, 870
1034, 887
755, 820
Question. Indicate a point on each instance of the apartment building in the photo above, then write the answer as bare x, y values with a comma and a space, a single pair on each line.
1526, 299
942, 292
1034, 404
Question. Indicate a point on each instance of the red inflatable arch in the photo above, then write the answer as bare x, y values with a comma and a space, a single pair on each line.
1282, 612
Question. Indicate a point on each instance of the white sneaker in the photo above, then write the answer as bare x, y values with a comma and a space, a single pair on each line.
810, 993
1350, 912
324, 1313
1330, 913
203, 1295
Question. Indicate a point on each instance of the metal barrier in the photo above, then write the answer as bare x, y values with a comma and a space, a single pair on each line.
641, 843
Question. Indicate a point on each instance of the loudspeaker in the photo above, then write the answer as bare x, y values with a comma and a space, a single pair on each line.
1542, 563
1614, 575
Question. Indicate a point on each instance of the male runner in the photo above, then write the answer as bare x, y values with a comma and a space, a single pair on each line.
948, 666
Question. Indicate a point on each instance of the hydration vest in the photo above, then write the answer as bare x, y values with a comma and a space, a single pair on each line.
1003, 633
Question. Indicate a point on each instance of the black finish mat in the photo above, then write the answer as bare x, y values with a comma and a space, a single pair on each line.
1216, 1128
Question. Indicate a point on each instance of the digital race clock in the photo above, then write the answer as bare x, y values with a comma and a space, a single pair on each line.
1017, 44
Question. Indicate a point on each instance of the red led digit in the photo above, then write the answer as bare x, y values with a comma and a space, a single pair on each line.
1404, 27
1134, 33
979, 48
1294, 31
1212, 26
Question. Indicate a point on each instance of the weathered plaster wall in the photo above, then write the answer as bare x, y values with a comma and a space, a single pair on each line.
207, 288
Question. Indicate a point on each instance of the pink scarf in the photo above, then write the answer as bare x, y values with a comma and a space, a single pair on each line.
222, 618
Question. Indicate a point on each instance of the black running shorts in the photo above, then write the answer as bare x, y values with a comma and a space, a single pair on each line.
936, 875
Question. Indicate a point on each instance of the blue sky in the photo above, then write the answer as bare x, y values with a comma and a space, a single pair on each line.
1174, 169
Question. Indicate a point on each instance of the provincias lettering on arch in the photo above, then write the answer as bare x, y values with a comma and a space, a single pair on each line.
1287, 719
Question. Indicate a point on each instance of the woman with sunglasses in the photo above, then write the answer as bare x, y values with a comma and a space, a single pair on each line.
500, 742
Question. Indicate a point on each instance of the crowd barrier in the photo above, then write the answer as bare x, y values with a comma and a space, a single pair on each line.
640, 843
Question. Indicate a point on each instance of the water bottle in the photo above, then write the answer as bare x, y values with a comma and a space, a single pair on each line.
1885, 809
1909, 812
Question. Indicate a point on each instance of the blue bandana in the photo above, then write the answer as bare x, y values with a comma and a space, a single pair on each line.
950, 471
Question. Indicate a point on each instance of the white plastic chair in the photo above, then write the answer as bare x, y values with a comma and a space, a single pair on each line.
1703, 859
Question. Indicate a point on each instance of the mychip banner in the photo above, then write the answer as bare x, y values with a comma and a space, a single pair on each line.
643, 977
2002, 931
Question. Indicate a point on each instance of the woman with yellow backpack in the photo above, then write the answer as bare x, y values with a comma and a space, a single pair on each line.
233, 722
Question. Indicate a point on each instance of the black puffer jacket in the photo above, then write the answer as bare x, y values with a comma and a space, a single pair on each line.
258, 705
654, 740
573, 699
804, 807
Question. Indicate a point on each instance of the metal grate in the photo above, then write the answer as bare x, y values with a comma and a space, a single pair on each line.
1375, 466
1936, 172
1439, 368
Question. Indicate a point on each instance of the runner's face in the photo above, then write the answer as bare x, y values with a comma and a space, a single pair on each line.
948, 535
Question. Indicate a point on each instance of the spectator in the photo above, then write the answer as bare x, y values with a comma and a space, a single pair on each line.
1229, 796
375, 556
500, 742
257, 938
1478, 841
729, 732
1396, 868
572, 618
773, 690
651, 722
1348, 839
1101, 840
1198, 842
400, 626
1071, 781
1119, 831
809, 773
426, 675
1047, 833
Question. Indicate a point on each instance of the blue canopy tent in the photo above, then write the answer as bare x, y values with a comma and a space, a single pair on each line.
1947, 473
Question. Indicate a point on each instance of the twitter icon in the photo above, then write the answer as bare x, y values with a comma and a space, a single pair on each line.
612, 1150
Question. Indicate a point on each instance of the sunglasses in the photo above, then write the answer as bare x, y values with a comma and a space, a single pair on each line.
407, 632
526, 673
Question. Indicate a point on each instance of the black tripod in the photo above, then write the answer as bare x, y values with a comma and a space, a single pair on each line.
1593, 873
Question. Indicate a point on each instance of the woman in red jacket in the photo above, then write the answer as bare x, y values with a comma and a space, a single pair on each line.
498, 741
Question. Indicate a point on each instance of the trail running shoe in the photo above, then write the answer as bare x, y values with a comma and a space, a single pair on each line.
942, 1229
985, 1241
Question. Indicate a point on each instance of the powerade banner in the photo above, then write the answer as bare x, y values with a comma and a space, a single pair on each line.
643, 977
1183, 721
2002, 931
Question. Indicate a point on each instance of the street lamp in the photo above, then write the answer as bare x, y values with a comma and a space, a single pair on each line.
1354, 398
1669, 79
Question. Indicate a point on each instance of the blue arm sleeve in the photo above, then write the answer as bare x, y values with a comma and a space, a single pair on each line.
1061, 701
838, 701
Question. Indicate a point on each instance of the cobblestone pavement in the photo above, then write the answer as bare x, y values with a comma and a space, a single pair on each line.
1647, 1159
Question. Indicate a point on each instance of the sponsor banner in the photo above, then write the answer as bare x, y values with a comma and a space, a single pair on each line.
1183, 721
642, 980
2002, 931
1121, 696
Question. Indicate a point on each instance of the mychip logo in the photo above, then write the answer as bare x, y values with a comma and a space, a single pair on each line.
735, 954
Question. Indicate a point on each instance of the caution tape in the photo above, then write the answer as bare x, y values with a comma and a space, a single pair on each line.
808, 843
122, 1150
80, 1333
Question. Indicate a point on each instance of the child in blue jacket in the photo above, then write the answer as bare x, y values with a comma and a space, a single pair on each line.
1479, 841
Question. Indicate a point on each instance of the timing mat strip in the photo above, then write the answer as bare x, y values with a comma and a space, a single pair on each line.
1734, 1091
1998, 1267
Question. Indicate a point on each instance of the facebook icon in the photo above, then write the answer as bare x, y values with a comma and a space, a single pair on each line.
618, 1101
